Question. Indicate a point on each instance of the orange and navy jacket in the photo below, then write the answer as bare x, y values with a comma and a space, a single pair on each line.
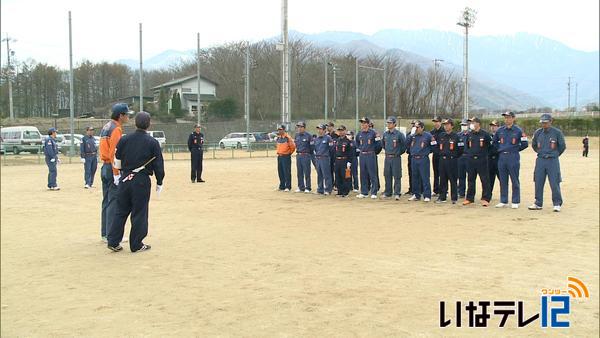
285, 145
109, 137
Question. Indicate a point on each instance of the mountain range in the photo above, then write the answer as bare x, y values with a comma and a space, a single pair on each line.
514, 71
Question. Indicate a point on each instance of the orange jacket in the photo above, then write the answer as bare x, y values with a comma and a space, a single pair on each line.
109, 137
285, 145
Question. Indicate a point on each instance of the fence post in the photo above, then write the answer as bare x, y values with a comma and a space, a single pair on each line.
172, 152
232, 150
214, 151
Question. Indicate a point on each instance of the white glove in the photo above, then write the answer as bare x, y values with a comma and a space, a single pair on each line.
413, 130
58, 160
116, 179
83, 160
53, 160
158, 190
348, 165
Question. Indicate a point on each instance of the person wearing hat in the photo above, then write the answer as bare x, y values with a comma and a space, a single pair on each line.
509, 140
88, 152
449, 152
435, 158
138, 156
196, 147
477, 148
369, 144
463, 160
323, 145
354, 161
334, 136
343, 162
421, 144
304, 149
493, 157
52, 160
549, 144
285, 148
109, 137
409, 164
394, 145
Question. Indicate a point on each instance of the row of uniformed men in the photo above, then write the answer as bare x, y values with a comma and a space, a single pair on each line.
458, 158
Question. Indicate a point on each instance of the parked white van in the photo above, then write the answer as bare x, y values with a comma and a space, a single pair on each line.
159, 136
21, 138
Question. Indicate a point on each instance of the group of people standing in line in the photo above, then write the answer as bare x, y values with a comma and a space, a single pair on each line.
458, 159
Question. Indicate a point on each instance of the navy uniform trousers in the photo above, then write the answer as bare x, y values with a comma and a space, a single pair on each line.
547, 167
303, 161
284, 169
132, 198
448, 169
197, 156
478, 166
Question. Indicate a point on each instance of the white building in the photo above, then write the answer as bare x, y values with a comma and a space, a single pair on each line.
187, 87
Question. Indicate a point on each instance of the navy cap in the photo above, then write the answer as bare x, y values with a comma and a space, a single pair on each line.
121, 108
448, 121
322, 126
475, 119
341, 127
365, 120
464, 122
52, 130
545, 118
509, 113
301, 124
281, 127
391, 119
437, 119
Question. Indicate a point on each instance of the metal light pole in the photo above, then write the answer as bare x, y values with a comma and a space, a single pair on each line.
9, 79
569, 95
326, 105
285, 66
334, 108
435, 65
71, 100
467, 20
199, 105
356, 94
141, 74
247, 94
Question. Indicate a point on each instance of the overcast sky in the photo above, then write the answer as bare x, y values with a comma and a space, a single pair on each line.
108, 29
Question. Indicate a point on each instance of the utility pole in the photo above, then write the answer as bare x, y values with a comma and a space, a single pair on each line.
569, 94
334, 69
285, 69
247, 94
435, 90
71, 100
356, 94
9, 75
141, 74
199, 105
326, 71
467, 20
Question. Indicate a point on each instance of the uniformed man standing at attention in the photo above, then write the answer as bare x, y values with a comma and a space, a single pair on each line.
334, 136
51, 155
421, 144
354, 168
549, 143
343, 162
369, 144
138, 157
493, 157
89, 157
196, 148
409, 164
323, 150
509, 140
463, 160
304, 150
449, 154
285, 149
477, 148
394, 145
435, 133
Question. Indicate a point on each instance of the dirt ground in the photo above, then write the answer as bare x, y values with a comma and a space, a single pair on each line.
233, 257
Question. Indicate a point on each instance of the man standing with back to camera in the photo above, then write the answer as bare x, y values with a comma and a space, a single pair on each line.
195, 146
138, 157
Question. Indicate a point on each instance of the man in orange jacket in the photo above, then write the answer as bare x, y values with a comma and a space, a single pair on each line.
285, 149
109, 137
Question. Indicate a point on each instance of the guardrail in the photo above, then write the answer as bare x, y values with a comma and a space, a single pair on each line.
171, 152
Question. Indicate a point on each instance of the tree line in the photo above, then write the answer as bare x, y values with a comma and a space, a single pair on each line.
40, 90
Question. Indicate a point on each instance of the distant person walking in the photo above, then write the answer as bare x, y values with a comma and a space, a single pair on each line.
586, 146
89, 157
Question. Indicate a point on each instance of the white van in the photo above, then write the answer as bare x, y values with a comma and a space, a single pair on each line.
159, 136
22, 138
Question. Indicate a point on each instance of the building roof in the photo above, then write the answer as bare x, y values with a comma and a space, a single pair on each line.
183, 79
194, 97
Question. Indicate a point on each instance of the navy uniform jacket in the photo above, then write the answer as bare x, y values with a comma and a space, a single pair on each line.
344, 148
420, 145
548, 143
50, 148
510, 140
394, 142
493, 148
88, 147
462, 138
478, 143
136, 149
368, 142
448, 144
435, 133
196, 141
304, 143
323, 145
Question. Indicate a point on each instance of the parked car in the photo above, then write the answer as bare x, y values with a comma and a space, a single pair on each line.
1, 146
64, 142
262, 137
159, 136
22, 138
238, 140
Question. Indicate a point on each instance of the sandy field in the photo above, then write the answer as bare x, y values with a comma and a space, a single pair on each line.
233, 257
